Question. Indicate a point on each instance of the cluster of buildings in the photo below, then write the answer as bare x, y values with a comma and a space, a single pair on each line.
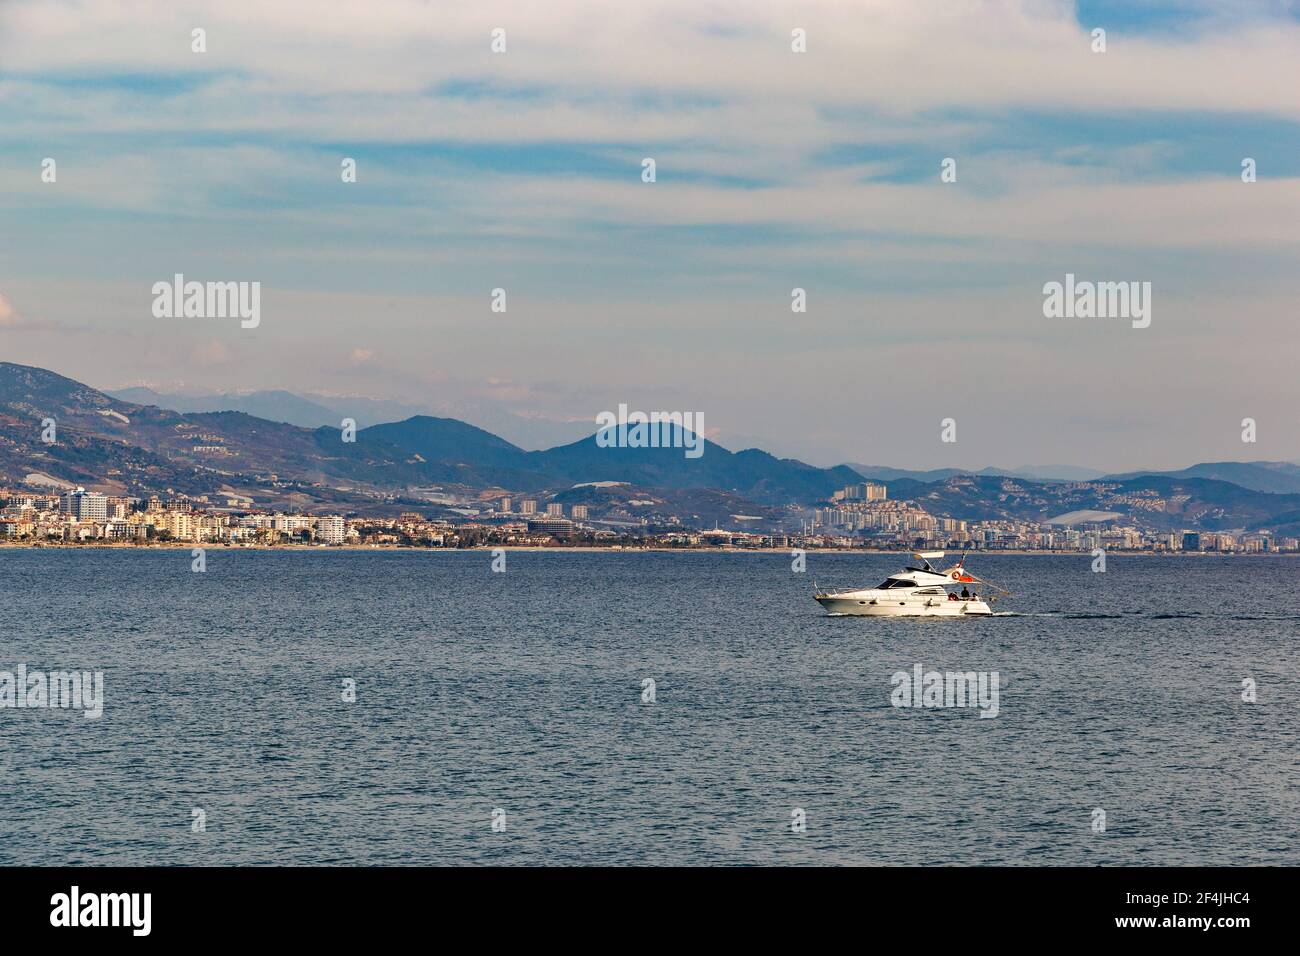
863, 512
864, 491
902, 525
80, 515
896, 517
528, 506
859, 516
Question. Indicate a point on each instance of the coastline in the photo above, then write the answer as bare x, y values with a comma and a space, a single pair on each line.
589, 549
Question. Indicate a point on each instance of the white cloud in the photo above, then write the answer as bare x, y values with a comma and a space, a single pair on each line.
642, 287
8, 314
210, 353
640, 71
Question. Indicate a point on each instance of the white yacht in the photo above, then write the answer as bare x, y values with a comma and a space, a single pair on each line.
916, 591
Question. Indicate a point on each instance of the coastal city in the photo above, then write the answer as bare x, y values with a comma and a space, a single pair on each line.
857, 517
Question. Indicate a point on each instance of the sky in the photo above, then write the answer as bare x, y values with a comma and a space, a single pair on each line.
820, 170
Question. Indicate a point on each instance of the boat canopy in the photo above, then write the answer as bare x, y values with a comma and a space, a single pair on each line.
923, 558
916, 577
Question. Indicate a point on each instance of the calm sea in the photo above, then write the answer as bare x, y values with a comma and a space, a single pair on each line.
523, 692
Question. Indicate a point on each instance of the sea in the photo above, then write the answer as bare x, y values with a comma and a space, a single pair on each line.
351, 707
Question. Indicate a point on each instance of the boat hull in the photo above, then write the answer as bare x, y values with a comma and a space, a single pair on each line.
861, 606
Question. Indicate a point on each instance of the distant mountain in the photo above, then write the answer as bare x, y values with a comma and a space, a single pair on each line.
1153, 501
1281, 477
1057, 472
315, 410
454, 452
275, 406
118, 446
121, 447
85, 449
1033, 472
752, 474
449, 440
887, 474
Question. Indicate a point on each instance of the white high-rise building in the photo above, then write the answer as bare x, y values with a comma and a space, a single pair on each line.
331, 530
85, 505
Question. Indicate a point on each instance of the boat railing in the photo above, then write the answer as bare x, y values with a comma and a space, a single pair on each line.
819, 591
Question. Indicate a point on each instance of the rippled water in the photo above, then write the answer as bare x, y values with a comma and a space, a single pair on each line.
522, 691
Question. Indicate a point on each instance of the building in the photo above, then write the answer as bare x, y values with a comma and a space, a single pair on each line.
866, 491
555, 510
331, 530
180, 525
85, 505
1257, 541
119, 507
559, 527
579, 512
1191, 541
528, 507
291, 524
122, 530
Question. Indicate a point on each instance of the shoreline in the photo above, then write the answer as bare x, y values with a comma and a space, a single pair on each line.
589, 549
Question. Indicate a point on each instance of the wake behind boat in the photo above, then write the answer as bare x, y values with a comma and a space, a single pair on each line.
915, 592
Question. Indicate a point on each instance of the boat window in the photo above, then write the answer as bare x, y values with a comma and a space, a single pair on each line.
931, 591
896, 583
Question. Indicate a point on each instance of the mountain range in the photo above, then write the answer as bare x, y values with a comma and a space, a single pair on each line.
122, 446
318, 410
1281, 477
1032, 472
116, 445
1154, 501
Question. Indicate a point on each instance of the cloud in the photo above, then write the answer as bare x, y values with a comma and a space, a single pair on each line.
524, 145
775, 170
398, 70
210, 353
9, 316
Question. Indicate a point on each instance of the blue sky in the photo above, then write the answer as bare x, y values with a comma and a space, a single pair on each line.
775, 170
